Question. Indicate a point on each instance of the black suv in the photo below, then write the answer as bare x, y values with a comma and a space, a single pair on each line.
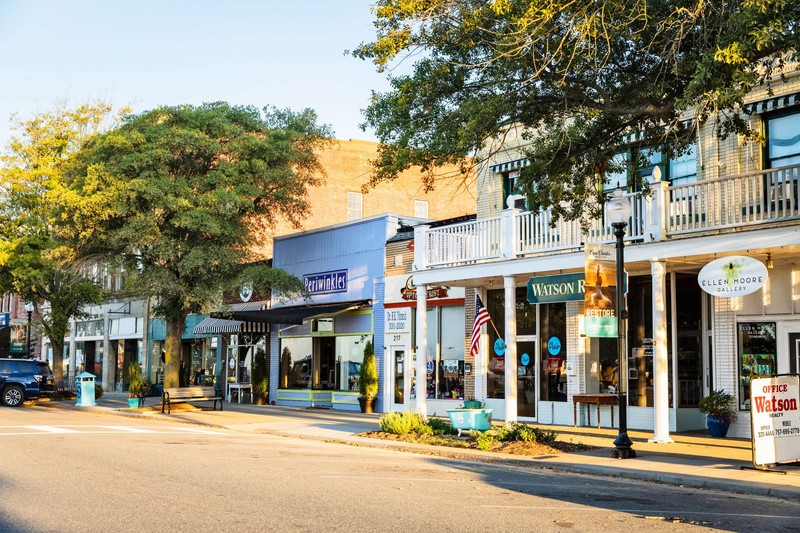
24, 379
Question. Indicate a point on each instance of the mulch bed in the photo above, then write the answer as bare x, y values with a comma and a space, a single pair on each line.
513, 448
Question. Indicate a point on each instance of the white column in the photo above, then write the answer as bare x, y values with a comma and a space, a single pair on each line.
109, 361
660, 354
481, 358
511, 348
422, 349
73, 353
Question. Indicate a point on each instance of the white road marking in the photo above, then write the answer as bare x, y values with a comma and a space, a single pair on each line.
130, 429
650, 512
93, 430
52, 429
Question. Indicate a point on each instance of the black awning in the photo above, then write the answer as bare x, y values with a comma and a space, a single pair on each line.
295, 314
772, 104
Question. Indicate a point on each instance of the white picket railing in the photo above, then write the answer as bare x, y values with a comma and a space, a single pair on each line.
743, 200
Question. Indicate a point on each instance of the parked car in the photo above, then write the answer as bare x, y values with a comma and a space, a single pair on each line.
24, 380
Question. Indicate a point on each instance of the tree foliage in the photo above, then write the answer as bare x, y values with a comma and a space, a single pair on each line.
34, 261
172, 192
576, 75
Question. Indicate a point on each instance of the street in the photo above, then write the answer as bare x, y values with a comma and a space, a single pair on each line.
77, 471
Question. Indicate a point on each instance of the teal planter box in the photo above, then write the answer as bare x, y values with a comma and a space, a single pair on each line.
478, 419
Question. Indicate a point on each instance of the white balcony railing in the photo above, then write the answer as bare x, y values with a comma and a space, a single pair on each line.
749, 199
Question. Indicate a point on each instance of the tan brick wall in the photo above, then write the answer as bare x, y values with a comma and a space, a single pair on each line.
399, 249
347, 165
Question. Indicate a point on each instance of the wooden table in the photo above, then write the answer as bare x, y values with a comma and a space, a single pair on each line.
597, 399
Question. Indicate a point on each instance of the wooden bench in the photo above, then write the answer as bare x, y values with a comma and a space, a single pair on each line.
189, 394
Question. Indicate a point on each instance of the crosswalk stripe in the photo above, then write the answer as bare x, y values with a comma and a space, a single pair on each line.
52, 429
203, 431
130, 429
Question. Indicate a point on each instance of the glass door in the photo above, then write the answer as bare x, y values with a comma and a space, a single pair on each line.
399, 367
526, 377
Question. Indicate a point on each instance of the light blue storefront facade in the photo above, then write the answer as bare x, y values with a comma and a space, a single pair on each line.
315, 360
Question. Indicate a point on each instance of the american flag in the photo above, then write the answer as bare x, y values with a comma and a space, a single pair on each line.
481, 318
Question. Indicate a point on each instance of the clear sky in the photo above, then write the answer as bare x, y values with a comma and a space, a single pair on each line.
146, 53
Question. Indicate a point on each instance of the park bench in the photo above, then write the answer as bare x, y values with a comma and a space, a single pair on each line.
189, 394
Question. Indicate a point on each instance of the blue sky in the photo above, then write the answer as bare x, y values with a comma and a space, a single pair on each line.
146, 53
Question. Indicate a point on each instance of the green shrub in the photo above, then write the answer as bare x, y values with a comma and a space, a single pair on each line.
525, 433
98, 391
368, 378
403, 423
441, 427
483, 439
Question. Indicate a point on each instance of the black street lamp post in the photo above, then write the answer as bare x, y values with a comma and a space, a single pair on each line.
29, 309
619, 211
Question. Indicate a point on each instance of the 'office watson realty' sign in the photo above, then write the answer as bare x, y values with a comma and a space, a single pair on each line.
775, 417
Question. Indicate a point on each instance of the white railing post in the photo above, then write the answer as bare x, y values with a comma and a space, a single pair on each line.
654, 215
509, 233
421, 247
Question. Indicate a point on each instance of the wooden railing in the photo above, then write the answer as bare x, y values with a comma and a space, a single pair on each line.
744, 200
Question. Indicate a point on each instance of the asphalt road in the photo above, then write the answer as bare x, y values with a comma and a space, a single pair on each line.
67, 471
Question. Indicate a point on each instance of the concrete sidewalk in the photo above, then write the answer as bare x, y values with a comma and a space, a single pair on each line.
693, 460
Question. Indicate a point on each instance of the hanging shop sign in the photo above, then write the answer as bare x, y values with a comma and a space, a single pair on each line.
775, 417
600, 294
326, 282
733, 276
4, 318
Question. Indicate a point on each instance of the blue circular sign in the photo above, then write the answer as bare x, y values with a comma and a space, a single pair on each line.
525, 359
554, 346
499, 347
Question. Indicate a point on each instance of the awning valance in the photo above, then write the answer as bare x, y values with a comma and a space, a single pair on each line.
772, 104
217, 326
510, 165
297, 314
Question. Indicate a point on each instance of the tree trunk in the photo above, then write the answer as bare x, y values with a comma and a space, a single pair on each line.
58, 358
173, 349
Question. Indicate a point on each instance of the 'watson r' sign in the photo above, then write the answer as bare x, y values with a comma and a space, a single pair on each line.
326, 282
560, 288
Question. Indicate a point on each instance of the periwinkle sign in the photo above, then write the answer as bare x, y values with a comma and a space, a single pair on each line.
326, 282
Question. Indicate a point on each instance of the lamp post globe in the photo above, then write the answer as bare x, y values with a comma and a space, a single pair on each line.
618, 212
29, 309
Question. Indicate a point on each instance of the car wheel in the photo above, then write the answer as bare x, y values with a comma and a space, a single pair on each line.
13, 396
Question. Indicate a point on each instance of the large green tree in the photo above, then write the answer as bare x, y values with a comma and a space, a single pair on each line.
174, 194
576, 75
34, 262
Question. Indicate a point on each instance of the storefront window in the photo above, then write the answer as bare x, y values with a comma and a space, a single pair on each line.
496, 380
349, 354
757, 348
295, 364
553, 351
445, 365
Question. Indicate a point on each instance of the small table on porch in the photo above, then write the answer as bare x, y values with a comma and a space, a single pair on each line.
597, 399
239, 388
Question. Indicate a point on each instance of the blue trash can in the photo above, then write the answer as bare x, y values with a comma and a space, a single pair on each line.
84, 385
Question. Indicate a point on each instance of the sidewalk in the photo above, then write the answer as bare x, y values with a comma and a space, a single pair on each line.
693, 460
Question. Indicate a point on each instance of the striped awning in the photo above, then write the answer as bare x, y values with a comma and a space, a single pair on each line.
772, 104
217, 326
510, 165
633, 137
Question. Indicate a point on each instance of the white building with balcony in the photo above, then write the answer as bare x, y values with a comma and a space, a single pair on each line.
724, 198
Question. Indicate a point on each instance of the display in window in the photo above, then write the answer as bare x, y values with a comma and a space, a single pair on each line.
757, 348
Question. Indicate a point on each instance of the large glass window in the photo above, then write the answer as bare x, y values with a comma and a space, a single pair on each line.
445, 362
526, 326
783, 141
349, 354
553, 378
757, 348
295, 363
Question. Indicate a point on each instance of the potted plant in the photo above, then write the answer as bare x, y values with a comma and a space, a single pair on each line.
720, 410
136, 385
260, 382
472, 403
368, 380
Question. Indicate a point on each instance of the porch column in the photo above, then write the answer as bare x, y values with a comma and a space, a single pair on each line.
511, 348
480, 364
73, 353
422, 350
109, 376
660, 355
